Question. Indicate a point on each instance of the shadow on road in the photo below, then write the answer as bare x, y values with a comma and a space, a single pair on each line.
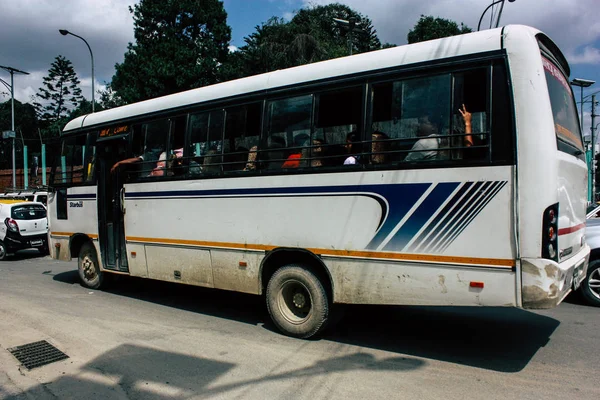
499, 339
135, 372
23, 255
236, 306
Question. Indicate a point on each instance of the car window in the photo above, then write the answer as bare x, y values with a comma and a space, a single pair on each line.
28, 211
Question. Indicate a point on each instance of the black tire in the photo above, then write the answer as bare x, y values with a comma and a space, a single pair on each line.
88, 267
3, 251
297, 301
44, 250
590, 287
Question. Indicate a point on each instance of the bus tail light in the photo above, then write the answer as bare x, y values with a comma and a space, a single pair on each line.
550, 233
11, 224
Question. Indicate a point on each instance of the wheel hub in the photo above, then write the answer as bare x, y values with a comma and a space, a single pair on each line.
88, 268
299, 300
594, 283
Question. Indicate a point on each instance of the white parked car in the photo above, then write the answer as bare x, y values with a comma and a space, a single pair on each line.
23, 225
590, 286
39, 196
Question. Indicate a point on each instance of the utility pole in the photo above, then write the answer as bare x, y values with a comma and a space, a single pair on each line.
352, 25
593, 133
12, 71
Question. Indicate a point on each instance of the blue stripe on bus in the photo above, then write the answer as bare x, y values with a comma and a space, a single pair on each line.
87, 196
489, 195
395, 201
441, 220
421, 215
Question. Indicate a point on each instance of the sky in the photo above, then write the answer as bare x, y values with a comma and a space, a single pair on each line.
30, 41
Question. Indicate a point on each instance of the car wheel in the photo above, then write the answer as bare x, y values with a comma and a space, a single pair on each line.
3, 252
44, 250
590, 287
297, 301
88, 267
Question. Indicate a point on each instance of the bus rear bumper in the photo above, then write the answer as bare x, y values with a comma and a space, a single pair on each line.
545, 283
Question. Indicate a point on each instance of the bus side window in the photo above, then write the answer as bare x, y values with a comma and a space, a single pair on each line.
242, 133
90, 158
414, 115
70, 167
470, 90
154, 156
287, 119
338, 118
206, 142
175, 160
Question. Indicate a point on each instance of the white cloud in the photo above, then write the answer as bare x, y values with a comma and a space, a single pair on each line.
232, 48
589, 55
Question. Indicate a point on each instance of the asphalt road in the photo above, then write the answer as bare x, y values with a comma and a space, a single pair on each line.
141, 339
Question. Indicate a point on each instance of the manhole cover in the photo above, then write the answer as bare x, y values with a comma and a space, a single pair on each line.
36, 354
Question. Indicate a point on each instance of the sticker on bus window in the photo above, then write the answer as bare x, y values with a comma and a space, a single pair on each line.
115, 130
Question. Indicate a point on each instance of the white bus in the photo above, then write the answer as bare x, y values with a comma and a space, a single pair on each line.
351, 181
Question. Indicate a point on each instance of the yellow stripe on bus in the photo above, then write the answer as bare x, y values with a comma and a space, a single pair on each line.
69, 234
499, 262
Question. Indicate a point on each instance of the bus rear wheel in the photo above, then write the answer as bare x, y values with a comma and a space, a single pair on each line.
297, 301
88, 267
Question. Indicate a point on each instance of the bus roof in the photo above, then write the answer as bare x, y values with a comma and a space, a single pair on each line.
471, 43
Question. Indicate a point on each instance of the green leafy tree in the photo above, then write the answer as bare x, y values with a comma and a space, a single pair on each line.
428, 28
179, 45
310, 36
26, 129
60, 92
109, 99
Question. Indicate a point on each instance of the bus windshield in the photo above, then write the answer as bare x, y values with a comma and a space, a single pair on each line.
566, 124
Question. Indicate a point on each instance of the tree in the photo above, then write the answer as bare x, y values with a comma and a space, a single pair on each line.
179, 45
60, 92
26, 129
428, 28
109, 99
310, 36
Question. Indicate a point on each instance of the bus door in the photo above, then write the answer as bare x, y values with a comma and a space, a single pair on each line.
111, 229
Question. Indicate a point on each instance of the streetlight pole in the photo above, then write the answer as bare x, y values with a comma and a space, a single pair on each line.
12, 71
582, 83
592, 129
65, 32
352, 26
499, 13
590, 153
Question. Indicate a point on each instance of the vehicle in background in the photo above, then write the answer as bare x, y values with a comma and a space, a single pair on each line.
23, 225
590, 286
35, 195
593, 211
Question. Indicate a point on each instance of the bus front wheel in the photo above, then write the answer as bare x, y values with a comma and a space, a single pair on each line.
297, 301
88, 267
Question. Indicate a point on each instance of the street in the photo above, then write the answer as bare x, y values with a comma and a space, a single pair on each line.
142, 339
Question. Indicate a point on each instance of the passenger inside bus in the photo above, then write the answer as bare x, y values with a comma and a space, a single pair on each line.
149, 156
427, 147
251, 163
379, 148
317, 153
294, 160
212, 162
353, 149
